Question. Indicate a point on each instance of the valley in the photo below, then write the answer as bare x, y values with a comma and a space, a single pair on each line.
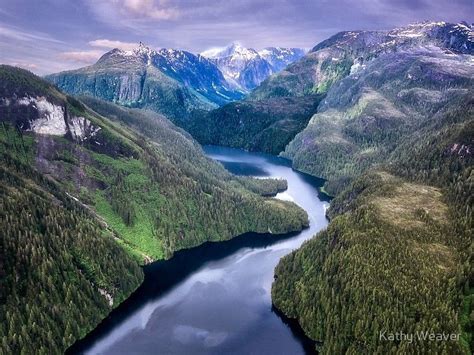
216, 297
243, 201
128, 200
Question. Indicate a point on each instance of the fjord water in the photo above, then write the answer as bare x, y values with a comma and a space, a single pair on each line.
215, 299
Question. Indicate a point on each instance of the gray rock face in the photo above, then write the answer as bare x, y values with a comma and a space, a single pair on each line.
246, 68
347, 52
46, 116
168, 81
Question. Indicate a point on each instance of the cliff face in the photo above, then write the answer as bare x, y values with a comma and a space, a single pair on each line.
349, 51
174, 83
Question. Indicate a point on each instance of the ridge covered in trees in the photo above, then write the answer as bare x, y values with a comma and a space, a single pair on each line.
398, 253
394, 139
86, 199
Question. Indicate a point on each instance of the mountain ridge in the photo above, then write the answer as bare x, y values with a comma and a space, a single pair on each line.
348, 51
247, 67
86, 198
171, 82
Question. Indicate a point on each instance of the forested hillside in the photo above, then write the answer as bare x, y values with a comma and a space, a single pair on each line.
83, 195
367, 119
61, 272
395, 141
388, 234
396, 257
264, 125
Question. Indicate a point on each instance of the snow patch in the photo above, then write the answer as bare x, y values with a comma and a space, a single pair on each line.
51, 116
81, 128
356, 67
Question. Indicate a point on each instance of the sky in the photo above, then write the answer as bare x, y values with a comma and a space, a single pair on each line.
47, 36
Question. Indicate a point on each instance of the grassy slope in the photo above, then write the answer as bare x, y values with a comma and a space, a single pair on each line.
178, 198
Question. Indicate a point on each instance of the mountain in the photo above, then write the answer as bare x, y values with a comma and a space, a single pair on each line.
257, 125
168, 81
279, 58
266, 125
246, 68
86, 198
394, 139
386, 100
347, 52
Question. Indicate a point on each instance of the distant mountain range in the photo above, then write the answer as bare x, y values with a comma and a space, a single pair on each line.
246, 68
419, 59
174, 82
171, 82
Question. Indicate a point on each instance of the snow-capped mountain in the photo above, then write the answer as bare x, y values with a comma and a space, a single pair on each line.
455, 37
279, 57
347, 53
170, 81
246, 68
195, 71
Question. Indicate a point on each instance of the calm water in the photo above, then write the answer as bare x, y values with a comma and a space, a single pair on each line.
215, 299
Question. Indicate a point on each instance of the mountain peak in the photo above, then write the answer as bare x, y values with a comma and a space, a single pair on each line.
234, 49
142, 50
447, 36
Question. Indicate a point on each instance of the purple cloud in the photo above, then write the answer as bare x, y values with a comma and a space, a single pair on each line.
42, 32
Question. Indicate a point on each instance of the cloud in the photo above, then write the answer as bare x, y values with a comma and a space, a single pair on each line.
17, 34
134, 9
149, 8
84, 28
90, 56
110, 44
87, 57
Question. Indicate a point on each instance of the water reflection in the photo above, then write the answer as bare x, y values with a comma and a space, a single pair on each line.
215, 299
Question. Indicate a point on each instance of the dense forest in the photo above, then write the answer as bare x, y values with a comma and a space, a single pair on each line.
61, 271
394, 139
85, 199
397, 255
395, 258
266, 125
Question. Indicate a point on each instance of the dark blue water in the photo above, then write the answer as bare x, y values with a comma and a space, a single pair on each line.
215, 299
